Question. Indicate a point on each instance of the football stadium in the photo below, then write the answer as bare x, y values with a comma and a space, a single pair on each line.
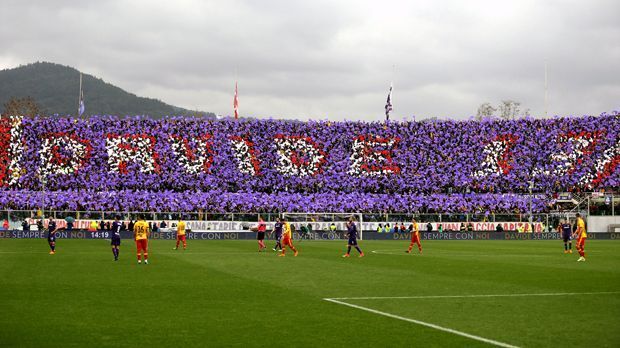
309, 173
487, 203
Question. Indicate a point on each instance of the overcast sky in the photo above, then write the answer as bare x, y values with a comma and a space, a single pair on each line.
332, 59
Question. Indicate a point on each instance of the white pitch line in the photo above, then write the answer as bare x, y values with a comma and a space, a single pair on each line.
423, 323
156, 253
23, 252
452, 254
209, 253
477, 296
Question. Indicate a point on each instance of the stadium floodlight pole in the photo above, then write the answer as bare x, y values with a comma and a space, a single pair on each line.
546, 98
80, 107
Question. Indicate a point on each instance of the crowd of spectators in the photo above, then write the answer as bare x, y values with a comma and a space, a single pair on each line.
185, 164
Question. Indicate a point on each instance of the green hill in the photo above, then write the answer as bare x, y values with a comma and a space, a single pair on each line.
55, 87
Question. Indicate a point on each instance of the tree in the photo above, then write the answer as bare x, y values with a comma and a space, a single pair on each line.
485, 110
508, 110
21, 107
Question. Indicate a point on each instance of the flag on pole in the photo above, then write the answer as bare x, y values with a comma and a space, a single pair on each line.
236, 102
81, 107
81, 100
388, 104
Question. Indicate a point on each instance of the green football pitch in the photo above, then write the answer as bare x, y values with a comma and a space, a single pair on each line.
224, 293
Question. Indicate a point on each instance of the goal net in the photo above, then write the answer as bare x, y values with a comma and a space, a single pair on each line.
322, 226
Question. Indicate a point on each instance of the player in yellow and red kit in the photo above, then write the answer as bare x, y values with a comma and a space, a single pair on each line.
287, 239
141, 233
581, 235
181, 234
415, 236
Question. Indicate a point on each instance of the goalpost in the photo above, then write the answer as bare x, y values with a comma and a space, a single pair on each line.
322, 224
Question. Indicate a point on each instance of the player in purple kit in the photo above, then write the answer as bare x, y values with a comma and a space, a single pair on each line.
567, 231
51, 236
116, 237
352, 233
277, 228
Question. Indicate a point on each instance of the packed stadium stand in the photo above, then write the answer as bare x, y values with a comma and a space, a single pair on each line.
184, 164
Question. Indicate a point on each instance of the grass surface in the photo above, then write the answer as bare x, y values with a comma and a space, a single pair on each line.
224, 293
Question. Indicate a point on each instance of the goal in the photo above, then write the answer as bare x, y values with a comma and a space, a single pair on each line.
327, 226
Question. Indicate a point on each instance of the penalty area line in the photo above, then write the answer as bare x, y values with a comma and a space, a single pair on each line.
400, 252
475, 296
423, 323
